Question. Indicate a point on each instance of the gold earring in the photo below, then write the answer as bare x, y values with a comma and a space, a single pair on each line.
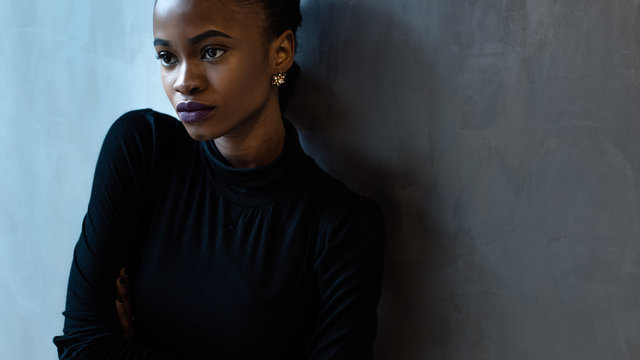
278, 79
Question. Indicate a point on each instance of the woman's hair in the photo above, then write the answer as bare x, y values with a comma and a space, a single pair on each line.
279, 15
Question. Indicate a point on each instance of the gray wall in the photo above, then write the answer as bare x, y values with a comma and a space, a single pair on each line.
499, 137
501, 140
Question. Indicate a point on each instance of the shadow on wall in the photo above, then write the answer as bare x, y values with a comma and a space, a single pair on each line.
364, 108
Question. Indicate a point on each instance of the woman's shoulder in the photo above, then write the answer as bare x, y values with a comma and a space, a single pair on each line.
349, 227
338, 204
143, 137
144, 122
147, 130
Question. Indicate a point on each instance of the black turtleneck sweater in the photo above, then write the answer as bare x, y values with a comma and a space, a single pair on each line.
276, 262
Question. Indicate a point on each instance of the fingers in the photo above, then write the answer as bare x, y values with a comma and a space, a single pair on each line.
123, 305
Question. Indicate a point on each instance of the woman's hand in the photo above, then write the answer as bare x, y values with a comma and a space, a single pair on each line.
123, 305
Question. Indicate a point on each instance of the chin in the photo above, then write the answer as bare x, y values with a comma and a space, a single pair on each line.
199, 135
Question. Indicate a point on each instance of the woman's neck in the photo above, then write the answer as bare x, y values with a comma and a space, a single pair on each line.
257, 142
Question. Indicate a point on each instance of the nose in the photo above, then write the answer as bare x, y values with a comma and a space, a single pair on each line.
190, 79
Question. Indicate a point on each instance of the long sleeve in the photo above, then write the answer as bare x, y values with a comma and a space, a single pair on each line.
348, 274
109, 232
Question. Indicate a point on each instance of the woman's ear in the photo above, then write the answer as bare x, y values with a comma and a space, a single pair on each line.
283, 47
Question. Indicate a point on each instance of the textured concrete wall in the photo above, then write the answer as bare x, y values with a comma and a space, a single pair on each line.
501, 139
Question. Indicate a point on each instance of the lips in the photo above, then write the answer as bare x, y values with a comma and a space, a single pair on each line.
191, 111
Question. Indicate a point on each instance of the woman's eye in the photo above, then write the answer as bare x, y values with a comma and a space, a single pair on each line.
166, 58
212, 53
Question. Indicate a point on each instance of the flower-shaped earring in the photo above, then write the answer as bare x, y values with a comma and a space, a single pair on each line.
278, 79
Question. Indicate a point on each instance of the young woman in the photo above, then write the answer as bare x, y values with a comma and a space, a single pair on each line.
237, 245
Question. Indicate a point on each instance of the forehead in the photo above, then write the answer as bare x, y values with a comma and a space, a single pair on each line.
188, 17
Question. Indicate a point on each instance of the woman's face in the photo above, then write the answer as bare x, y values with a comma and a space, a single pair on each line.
214, 53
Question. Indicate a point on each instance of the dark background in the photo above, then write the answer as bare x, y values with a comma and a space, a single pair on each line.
500, 138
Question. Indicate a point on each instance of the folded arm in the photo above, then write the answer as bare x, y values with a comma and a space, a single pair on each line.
108, 238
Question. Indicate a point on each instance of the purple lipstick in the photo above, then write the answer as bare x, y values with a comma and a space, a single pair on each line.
191, 111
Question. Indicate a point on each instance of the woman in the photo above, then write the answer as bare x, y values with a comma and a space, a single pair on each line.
237, 245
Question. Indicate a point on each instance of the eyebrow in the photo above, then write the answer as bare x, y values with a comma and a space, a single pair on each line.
196, 39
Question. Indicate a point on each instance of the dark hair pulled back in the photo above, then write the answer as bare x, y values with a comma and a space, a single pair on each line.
280, 15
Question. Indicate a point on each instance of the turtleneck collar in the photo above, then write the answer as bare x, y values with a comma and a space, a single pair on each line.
257, 186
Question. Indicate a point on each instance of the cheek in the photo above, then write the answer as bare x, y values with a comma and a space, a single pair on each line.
247, 82
167, 84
